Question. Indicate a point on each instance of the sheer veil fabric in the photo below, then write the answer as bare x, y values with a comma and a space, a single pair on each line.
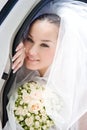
68, 77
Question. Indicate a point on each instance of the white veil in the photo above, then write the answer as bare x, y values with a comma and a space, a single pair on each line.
68, 77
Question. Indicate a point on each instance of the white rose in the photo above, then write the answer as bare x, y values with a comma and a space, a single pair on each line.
28, 114
44, 118
24, 112
43, 112
21, 102
19, 110
35, 106
37, 94
37, 124
37, 117
31, 128
29, 121
26, 97
26, 86
32, 87
44, 127
21, 118
48, 123
24, 91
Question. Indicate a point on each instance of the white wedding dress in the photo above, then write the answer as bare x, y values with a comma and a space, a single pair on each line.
31, 76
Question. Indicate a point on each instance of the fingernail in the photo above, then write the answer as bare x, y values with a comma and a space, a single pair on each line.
12, 59
14, 71
16, 49
13, 67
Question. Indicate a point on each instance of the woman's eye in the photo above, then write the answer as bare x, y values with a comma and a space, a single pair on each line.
29, 39
44, 45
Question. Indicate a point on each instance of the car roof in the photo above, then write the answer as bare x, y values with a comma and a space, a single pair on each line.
10, 24
5, 8
2, 3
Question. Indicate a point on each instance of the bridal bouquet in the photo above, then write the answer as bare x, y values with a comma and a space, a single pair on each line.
30, 111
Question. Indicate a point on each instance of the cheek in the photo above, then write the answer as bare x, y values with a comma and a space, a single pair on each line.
48, 56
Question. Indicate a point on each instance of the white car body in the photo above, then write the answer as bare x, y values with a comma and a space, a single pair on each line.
8, 30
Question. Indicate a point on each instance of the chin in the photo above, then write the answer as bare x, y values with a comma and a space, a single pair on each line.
30, 67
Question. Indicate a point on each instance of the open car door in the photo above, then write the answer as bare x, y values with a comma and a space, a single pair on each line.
14, 19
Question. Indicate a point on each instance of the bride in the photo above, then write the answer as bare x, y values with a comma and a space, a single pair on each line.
53, 78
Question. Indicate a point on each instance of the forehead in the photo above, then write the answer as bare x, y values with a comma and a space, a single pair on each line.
43, 24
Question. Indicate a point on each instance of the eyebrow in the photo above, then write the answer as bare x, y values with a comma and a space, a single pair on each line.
41, 40
46, 41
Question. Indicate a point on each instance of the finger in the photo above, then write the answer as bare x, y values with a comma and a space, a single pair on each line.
17, 67
17, 61
18, 54
21, 45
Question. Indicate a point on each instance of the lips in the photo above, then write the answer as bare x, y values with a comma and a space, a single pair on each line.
32, 59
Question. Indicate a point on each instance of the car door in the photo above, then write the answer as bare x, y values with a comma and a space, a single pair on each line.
12, 16
14, 19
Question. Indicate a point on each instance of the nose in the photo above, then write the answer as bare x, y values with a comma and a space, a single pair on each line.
33, 50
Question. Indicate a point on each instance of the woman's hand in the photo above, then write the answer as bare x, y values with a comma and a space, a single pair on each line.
18, 58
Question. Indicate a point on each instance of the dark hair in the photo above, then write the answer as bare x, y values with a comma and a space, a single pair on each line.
52, 18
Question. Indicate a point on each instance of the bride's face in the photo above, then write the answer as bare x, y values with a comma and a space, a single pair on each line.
40, 45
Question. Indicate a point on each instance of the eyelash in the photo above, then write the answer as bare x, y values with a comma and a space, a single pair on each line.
29, 40
42, 45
